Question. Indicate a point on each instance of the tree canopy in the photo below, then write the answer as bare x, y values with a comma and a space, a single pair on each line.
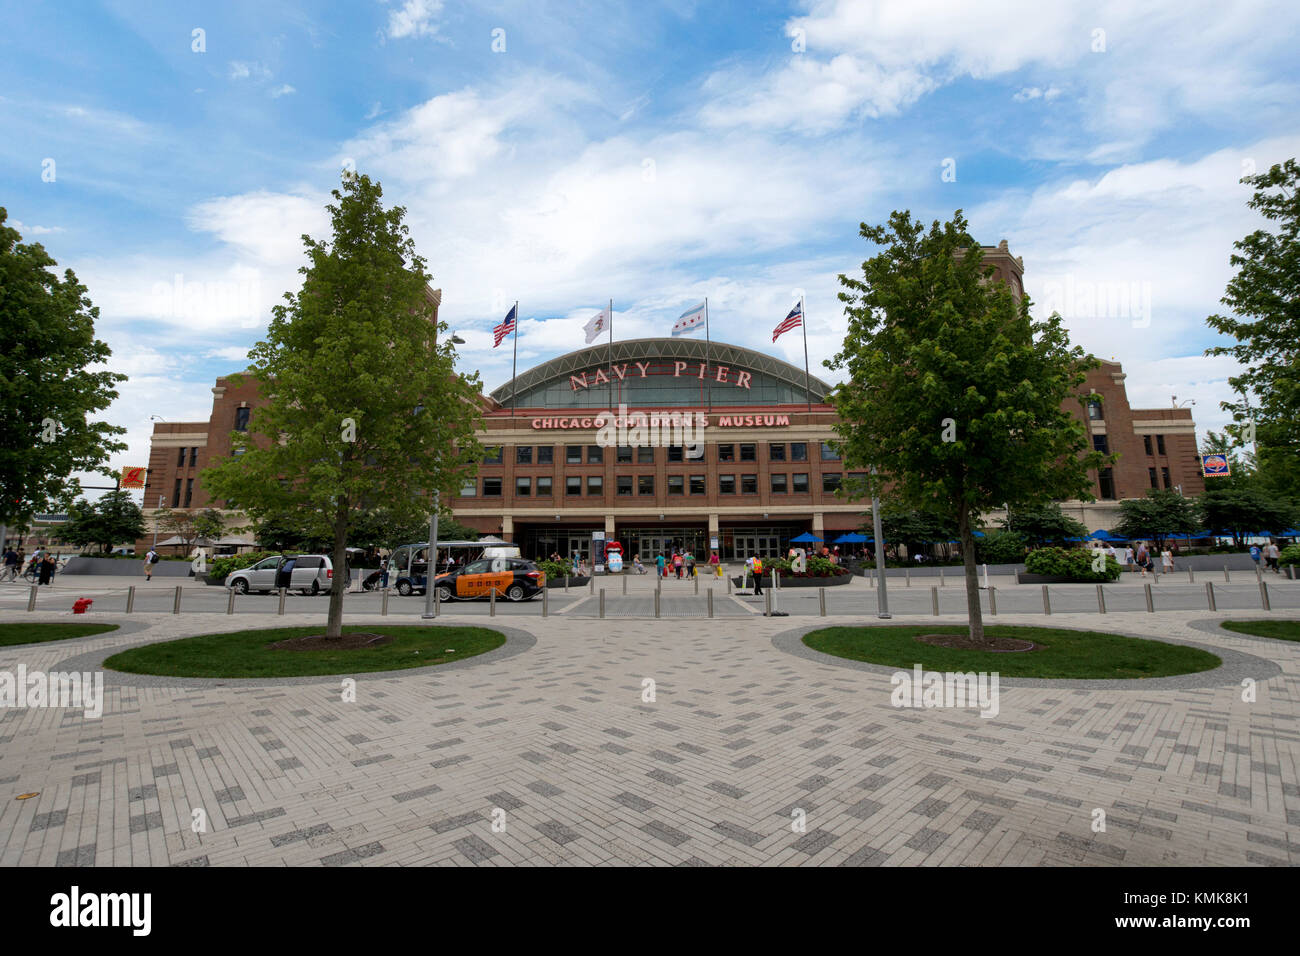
113, 519
1163, 512
50, 387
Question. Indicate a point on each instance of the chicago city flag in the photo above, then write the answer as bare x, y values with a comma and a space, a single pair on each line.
791, 321
499, 332
690, 320
596, 324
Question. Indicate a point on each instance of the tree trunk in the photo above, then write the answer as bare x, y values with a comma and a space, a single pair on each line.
339, 557
974, 611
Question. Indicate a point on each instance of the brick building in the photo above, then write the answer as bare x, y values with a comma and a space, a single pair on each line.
733, 451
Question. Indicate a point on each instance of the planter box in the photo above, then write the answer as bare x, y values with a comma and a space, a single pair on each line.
792, 582
573, 582
215, 582
126, 567
1024, 577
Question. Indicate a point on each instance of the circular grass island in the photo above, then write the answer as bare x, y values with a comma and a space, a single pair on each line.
1056, 653
39, 633
1277, 630
304, 652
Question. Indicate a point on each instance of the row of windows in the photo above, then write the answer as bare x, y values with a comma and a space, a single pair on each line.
189, 493
541, 487
623, 455
192, 453
1164, 474
1160, 445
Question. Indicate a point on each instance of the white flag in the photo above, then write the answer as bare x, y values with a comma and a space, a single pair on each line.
690, 320
597, 324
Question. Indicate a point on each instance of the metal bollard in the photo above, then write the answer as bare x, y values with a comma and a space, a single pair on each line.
993, 600
656, 602
1259, 573
1290, 572
602, 603
1047, 601
1263, 595
1209, 595
776, 582
546, 602
176, 602
492, 602
591, 585
437, 602
907, 572
566, 584
710, 602
728, 583
1151, 606
1191, 576
130, 599
1101, 600
383, 604
934, 601
624, 583
282, 592
941, 584
821, 602
1226, 579
230, 602
697, 584
31, 599
767, 603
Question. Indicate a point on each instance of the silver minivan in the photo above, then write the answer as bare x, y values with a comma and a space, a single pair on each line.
308, 573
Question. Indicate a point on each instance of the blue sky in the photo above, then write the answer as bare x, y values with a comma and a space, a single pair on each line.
654, 154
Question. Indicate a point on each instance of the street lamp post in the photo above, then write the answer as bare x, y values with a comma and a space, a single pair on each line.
432, 567
882, 596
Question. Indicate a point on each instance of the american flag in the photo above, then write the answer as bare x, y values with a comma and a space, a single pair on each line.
505, 328
791, 321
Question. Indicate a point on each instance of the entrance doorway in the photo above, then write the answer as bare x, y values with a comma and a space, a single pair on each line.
763, 545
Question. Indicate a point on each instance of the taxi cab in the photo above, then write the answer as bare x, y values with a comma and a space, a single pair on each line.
513, 578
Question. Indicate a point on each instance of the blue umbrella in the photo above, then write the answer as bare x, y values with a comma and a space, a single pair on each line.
851, 538
806, 537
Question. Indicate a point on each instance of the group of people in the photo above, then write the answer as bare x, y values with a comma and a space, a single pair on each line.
42, 562
1141, 559
682, 563
1269, 553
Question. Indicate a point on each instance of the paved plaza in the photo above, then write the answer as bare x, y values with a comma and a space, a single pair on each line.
547, 750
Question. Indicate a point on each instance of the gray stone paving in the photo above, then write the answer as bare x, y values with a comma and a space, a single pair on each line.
550, 755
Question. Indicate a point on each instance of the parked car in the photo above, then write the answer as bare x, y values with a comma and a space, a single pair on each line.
513, 578
308, 573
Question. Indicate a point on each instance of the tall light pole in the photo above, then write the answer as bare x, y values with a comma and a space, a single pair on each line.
882, 595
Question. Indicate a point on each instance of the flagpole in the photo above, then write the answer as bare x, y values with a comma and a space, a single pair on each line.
610, 370
707, 349
807, 388
514, 363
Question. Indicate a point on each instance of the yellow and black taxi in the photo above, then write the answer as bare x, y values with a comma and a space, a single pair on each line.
513, 578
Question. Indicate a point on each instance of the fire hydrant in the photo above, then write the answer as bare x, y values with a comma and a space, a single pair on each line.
79, 607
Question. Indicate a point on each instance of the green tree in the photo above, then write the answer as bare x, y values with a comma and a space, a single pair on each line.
1001, 547
1045, 524
1243, 510
380, 528
1161, 513
49, 389
1265, 321
363, 402
112, 519
955, 393
917, 529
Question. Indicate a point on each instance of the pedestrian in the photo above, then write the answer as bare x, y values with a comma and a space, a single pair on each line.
150, 560
1271, 555
383, 573
1142, 557
1167, 560
715, 564
677, 564
47, 568
1255, 554
1128, 558
660, 565
690, 564
757, 567
11, 564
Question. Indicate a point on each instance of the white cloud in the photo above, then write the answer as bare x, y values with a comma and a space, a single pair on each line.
280, 91
415, 19
1036, 93
34, 230
243, 70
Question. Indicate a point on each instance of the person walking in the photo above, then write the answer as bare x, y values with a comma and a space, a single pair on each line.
714, 564
48, 565
383, 573
677, 564
660, 565
1271, 555
690, 564
1142, 557
12, 563
1255, 554
757, 567
1167, 560
150, 560
1128, 558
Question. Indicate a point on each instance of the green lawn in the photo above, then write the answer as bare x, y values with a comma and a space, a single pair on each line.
36, 633
246, 654
1061, 653
1279, 630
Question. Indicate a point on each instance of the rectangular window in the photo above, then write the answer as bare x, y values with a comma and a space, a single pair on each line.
194, 455
645, 456
595, 485
1164, 475
1146, 445
675, 453
523, 454
676, 485
624, 455
778, 484
189, 488
1160, 444
181, 462
1107, 482
748, 452
494, 456
545, 454
1094, 409
645, 484
726, 484
749, 484
241, 418
595, 455
726, 453
573, 454
698, 486
799, 483
624, 485
469, 489
176, 495
829, 453
573, 485
1100, 444
776, 452
831, 482
523, 487
1155, 482
544, 487
798, 451
491, 487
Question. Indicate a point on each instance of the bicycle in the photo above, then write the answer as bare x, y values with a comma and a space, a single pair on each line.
33, 573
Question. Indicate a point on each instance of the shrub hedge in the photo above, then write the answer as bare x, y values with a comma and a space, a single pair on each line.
1072, 563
